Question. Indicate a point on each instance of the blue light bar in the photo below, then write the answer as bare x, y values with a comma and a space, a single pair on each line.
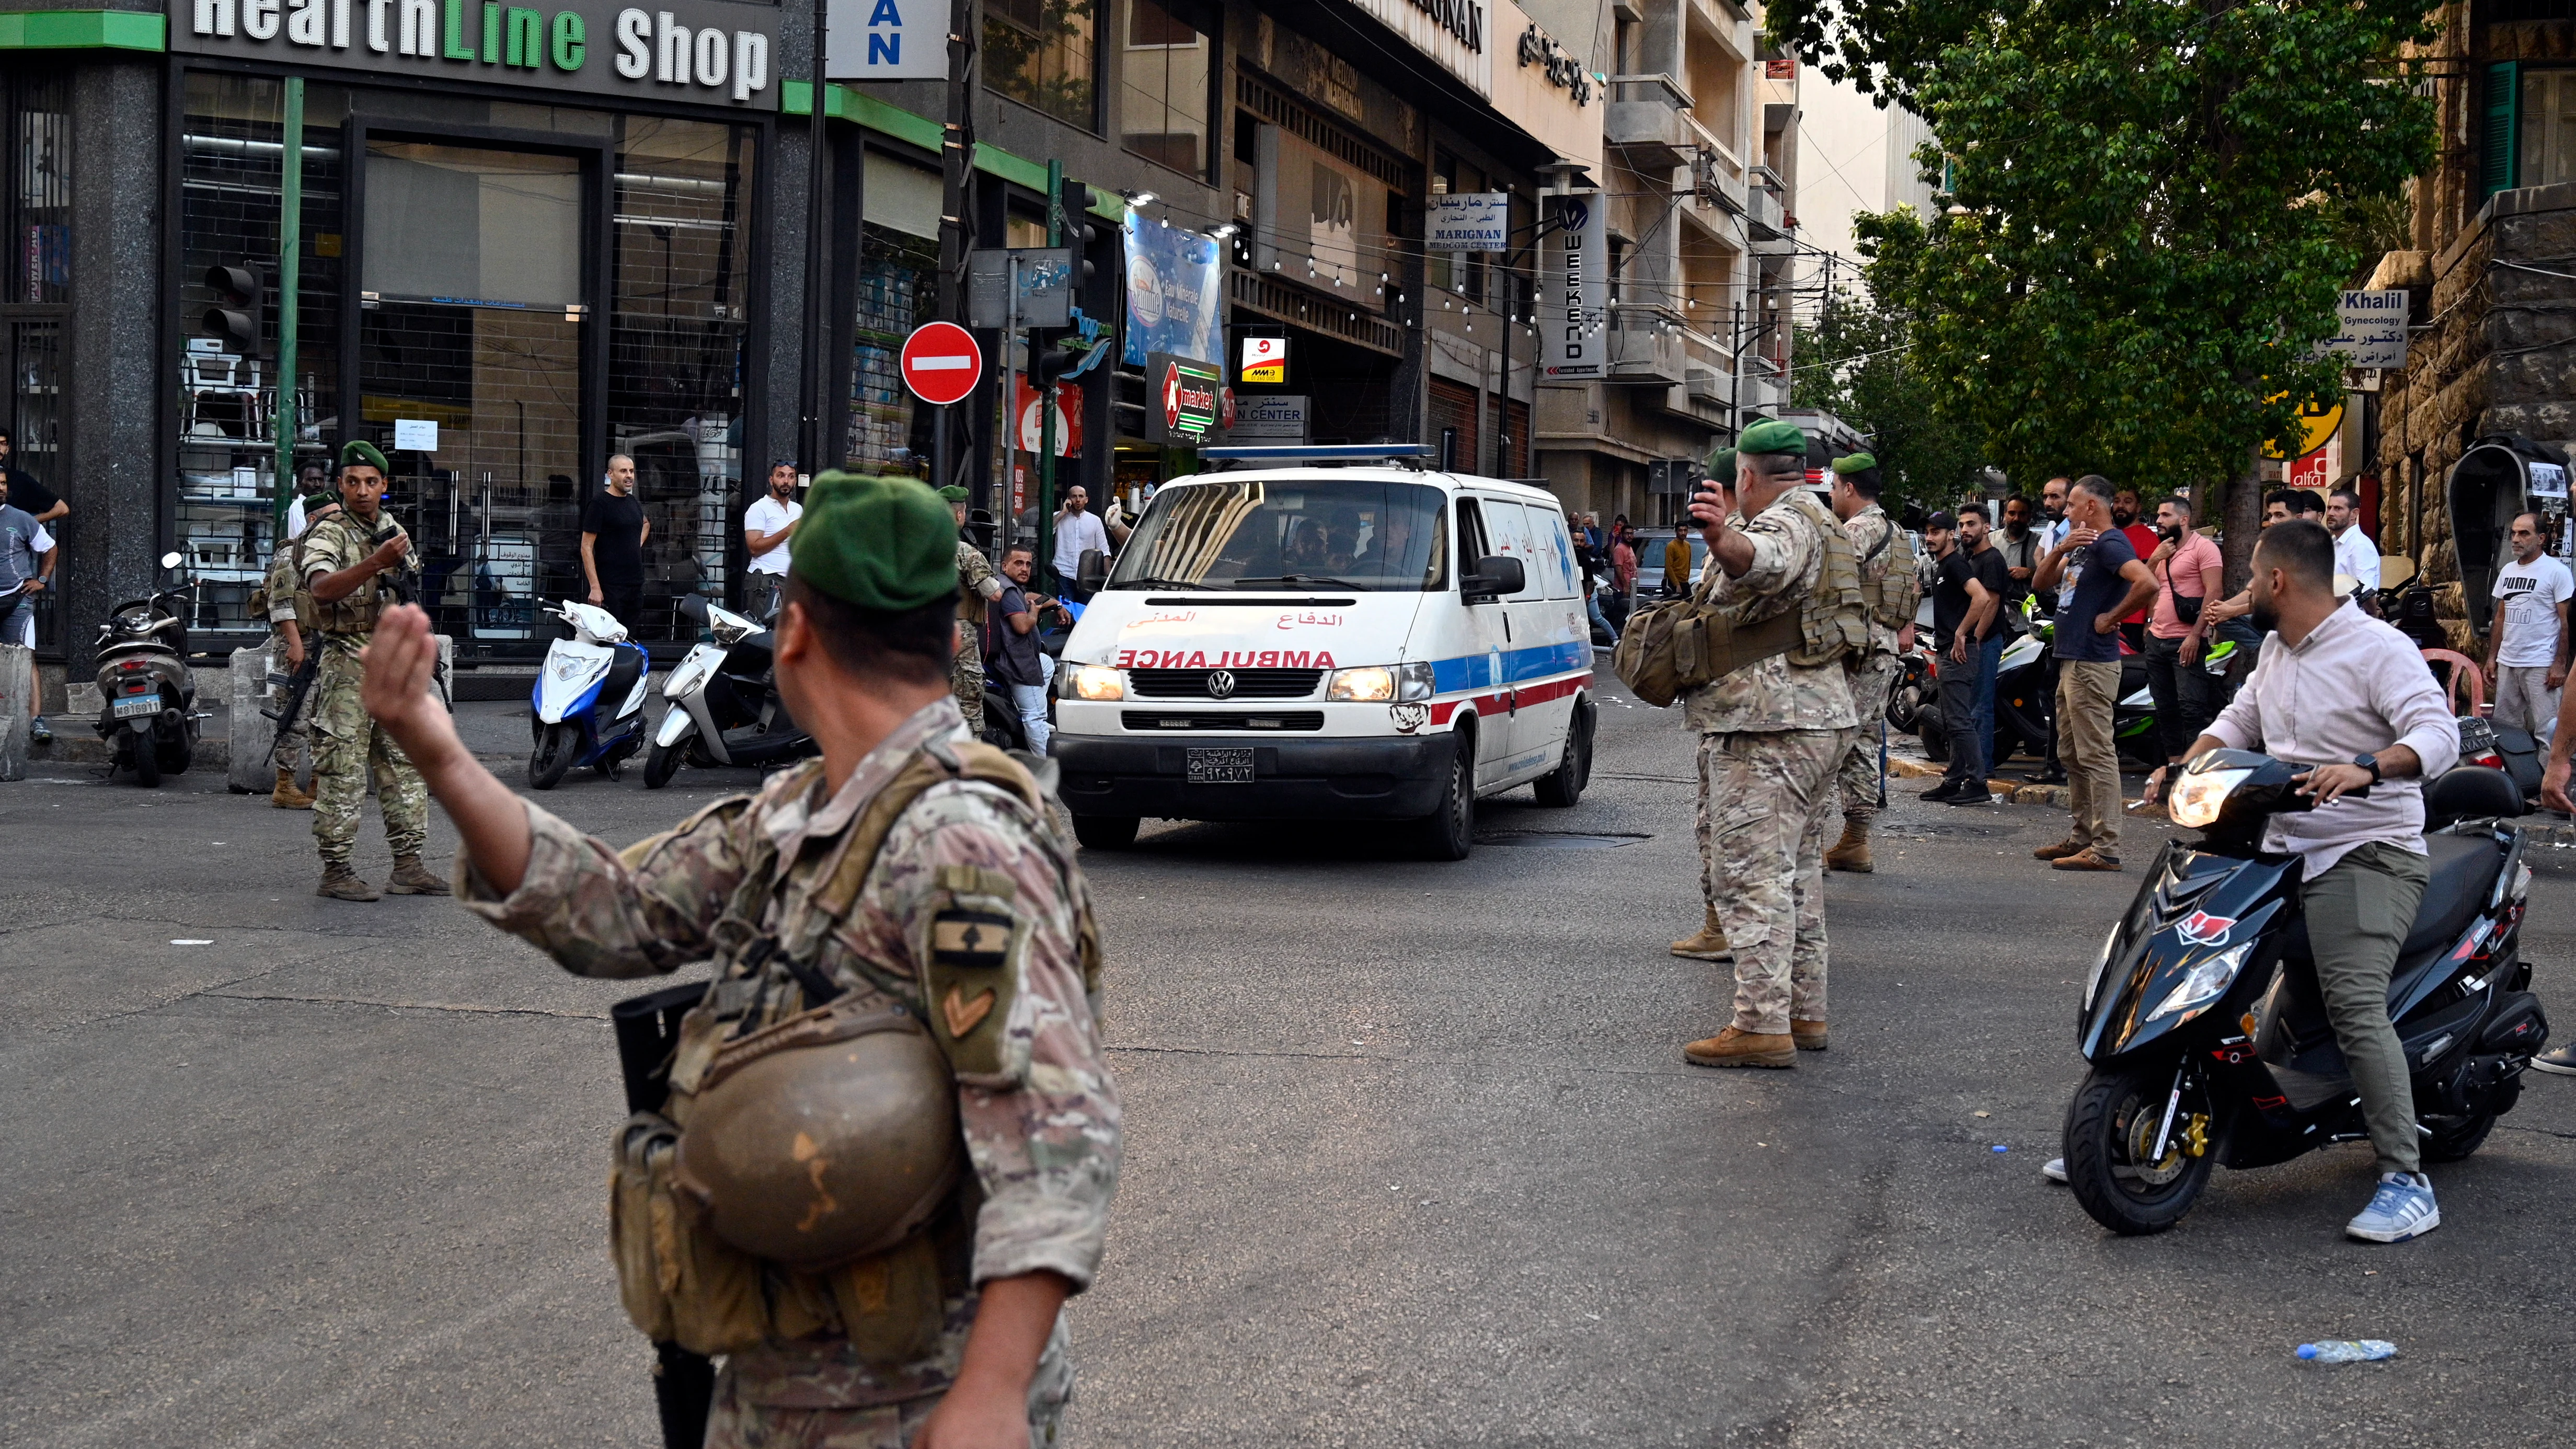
1338, 452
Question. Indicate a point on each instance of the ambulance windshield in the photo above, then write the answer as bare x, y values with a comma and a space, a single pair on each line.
1290, 534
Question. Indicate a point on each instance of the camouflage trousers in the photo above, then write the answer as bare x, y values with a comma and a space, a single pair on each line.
348, 747
735, 1423
966, 677
1858, 776
1765, 800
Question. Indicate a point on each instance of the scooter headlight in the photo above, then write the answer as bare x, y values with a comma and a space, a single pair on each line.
2200, 795
2206, 982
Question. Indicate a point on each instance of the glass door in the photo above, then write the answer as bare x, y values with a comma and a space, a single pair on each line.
474, 290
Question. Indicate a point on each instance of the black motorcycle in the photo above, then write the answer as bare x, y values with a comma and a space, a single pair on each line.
2205, 1025
147, 694
724, 704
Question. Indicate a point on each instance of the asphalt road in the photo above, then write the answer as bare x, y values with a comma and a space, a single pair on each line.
1412, 1158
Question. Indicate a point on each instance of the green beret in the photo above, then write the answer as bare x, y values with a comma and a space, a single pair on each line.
954, 494
1772, 436
1721, 466
887, 544
359, 453
1856, 463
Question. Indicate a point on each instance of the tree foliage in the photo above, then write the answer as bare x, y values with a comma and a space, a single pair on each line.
1854, 363
2150, 209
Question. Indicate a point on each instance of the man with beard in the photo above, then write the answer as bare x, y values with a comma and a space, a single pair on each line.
2052, 503
2019, 544
2187, 569
2142, 539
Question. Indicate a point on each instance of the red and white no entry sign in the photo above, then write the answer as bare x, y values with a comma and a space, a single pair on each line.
941, 363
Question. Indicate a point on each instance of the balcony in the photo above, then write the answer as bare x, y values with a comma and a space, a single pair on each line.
1708, 389
1764, 215
1763, 387
1646, 344
1649, 119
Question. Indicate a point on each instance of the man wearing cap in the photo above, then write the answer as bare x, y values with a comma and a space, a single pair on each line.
1889, 590
1771, 735
356, 564
862, 644
977, 586
766, 526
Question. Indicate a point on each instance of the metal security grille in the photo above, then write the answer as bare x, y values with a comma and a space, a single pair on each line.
1248, 683
1146, 719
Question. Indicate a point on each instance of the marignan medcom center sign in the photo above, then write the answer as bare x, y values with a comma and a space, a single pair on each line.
713, 52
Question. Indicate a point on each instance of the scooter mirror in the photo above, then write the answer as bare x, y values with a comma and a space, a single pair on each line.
172, 559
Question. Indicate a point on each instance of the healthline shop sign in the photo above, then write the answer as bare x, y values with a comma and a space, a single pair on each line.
710, 52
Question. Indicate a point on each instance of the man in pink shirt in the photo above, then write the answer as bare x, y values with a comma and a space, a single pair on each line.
2188, 570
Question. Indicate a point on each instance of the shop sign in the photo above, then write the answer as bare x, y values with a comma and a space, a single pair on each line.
1451, 32
1562, 67
1180, 399
1473, 221
1044, 276
1269, 417
1068, 416
886, 40
1175, 292
1574, 298
1265, 360
2374, 329
712, 52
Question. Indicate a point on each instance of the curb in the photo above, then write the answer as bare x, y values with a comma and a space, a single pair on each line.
2021, 792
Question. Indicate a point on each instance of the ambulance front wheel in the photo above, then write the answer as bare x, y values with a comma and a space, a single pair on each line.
1105, 832
1449, 831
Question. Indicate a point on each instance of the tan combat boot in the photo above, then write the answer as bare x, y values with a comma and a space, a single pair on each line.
1709, 945
411, 878
1736, 1047
342, 884
288, 795
1850, 853
1809, 1035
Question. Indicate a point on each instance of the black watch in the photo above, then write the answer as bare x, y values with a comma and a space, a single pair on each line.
2370, 763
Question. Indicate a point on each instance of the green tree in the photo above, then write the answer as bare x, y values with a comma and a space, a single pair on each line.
1854, 364
2147, 215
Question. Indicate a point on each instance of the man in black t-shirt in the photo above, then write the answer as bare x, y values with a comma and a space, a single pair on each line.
1969, 584
39, 501
613, 531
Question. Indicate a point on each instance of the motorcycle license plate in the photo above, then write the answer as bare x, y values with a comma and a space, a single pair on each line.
139, 705
1220, 767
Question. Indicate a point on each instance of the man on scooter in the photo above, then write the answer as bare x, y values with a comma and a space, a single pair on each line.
2349, 697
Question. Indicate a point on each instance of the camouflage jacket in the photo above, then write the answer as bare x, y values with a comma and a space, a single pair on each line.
977, 584
1788, 553
342, 540
1868, 529
1043, 1136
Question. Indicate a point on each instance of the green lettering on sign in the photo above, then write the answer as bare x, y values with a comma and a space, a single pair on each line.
491, 32
568, 47
527, 38
457, 46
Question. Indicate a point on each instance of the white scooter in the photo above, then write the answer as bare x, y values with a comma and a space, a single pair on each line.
588, 704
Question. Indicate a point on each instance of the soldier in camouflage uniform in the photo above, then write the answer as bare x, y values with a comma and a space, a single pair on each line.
1878, 546
1770, 738
977, 585
352, 578
289, 611
860, 645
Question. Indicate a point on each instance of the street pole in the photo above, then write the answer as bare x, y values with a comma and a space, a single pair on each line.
817, 293
956, 183
1046, 402
1503, 404
290, 272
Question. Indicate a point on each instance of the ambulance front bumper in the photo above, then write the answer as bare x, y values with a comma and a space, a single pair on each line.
1325, 778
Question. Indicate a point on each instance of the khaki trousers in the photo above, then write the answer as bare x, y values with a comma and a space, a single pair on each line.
2087, 690
1765, 800
2358, 913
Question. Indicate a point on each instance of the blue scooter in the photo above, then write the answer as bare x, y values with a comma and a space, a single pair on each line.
588, 704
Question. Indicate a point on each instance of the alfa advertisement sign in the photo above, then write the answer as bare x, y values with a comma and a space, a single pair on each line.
1175, 292
711, 52
1181, 398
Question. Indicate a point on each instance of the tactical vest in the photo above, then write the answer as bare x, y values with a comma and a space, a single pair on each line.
680, 1280
357, 611
1675, 647
1892, 598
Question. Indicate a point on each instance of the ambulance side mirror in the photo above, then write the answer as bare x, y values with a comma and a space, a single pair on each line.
1092, 570
1494, 577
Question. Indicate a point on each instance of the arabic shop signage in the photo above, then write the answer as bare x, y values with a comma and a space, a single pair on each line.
1180, 399
2373, 331
711, 52
1558, 64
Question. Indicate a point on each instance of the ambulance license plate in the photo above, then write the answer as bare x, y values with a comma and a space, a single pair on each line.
1220, 767
141, 704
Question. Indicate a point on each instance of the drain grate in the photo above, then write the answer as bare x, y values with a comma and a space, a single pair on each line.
1559, 839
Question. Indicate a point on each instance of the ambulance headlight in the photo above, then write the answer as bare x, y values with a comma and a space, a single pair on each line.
1380, 684
1091, 681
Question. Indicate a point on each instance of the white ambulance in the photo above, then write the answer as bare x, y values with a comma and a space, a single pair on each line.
1329, 643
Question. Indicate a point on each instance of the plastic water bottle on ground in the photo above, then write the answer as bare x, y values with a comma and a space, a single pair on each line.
2345, 1350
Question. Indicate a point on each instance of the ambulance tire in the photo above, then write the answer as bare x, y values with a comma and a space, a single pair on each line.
1561, 787
1105, 832
1449, 832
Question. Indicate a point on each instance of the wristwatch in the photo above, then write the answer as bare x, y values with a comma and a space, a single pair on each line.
2370, 763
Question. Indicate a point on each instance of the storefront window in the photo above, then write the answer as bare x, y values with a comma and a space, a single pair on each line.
898, 290
1042, 53
1163, 85
33, 313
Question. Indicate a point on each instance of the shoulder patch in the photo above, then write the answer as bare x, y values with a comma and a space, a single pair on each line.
970, 979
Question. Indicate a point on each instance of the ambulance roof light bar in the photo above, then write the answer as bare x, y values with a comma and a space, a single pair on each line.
1410, 455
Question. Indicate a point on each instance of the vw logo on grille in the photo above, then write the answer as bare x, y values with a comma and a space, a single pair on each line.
1221, 684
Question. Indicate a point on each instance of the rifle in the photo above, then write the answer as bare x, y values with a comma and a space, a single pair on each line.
648, 1031
299, 684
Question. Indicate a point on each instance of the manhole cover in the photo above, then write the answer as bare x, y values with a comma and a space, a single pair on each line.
1559, 839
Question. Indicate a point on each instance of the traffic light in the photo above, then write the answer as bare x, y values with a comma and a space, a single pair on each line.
1073, 213
240, 313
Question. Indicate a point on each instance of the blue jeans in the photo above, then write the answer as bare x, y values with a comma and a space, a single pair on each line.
1029, 701
1990, 657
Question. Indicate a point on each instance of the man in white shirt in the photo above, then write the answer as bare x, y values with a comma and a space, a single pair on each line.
2348, 697
766, 527
2527, 642
1078, 530
2356, 553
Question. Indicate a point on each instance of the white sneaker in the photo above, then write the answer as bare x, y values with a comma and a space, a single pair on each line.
2402, 1208
2561, 1062
2054, 1169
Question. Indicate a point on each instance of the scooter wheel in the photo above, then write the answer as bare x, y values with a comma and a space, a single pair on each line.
2448, 1139
552, 756
146, 757
660, 764
2110, 1137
